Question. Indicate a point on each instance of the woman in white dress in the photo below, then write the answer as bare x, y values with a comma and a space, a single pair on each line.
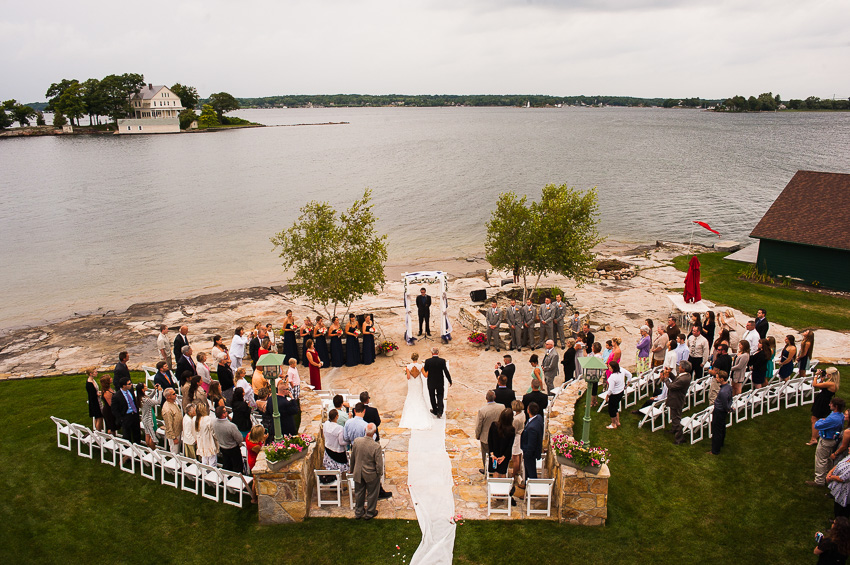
416, 415
237, 348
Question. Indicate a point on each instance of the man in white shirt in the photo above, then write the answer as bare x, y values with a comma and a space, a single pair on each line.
163, 345
752, 336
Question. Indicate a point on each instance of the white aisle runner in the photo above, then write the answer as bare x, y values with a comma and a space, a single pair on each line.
430, 478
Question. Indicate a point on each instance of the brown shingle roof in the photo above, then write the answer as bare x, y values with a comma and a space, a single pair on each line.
814, 209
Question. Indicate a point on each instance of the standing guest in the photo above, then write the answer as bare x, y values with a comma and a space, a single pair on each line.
609, 348
247, 390
121, 372
500, 442
352, 347
237, 348
254, 347
672, 329
682, 351
270, 335
529, 319
126, 412
294, 378
771, 355
164, 378
616, 389
368, 329
513, 315
727, 322
659, 347
651, 325
535, 396
189, 436
265, 347
722, 408
106, 395
203, 370
290, 342
306, 334
558, 321
423, 309
163, 346
550, 366
804, 355
597, 350
146, 405
507, 370
827, 382
487, 415
343, 408
367, 466
185, 364
230, 441
575, 325
258, 381
531, 441
698, 348
786, 359
181, 341
95, 401
519, 425
494, 320
223, 364
709, 326
616, 355
337, 351
643, 345
569, 360
262, 398
834, 546
758, 362
254, 443
671, 357
320, 342
722, 364
241, 411
335, 458
312, 357
205, 446
761, 324
696, 322
193, 393
287, 408
751, 336
739, 367
504, 395
370, 414
214, 396
172, 419
677, 388
589, 339
838, 481
547, 321
829, 429
536, 371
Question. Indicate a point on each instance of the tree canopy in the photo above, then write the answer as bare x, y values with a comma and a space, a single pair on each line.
188, 95
555, 235
334, 258
223, 102
109, 96
20, 113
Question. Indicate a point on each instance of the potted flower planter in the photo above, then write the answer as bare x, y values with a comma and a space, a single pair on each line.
570, 463
389, 353
277, 465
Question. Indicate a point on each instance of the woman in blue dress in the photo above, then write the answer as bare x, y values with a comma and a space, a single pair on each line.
337, 351
352, 346
306, 333
290, 343
320, 343
368, 340
786, 359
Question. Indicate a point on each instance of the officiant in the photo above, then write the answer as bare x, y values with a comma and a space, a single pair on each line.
423, 308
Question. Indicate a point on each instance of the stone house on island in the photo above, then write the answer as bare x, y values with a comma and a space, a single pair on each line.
154, 109
804, 233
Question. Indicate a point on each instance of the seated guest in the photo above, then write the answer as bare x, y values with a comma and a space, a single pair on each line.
230, 440
188, 436
541, 398
342, 408
508, 370
186, 365
504, 395
247, 389
241, 412
335, 444
203, 370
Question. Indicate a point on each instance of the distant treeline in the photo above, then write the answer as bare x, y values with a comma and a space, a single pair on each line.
767, 102
536, 100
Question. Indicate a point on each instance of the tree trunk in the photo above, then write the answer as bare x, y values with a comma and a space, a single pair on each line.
524, 288
536, 283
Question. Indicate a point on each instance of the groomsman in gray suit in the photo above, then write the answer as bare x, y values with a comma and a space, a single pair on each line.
529, 319
494, 320
547, 319
514, 318
560, 313
549, 364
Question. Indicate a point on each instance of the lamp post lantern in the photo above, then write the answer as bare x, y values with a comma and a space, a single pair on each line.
592, 369
271, 363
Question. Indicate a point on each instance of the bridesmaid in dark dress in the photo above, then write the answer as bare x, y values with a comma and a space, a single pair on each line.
368, 340
709, 326
352, 347
320, 343
306, 333
337, 352
290, 342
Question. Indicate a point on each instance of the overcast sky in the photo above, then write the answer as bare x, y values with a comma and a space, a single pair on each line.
646, 48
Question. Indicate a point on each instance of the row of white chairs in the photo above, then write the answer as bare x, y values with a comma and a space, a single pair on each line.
175, 470
499, 488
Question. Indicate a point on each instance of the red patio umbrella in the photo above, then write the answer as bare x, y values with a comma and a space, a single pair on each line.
692, 293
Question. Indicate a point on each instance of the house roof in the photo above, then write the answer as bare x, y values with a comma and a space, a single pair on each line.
147, 93
812, 210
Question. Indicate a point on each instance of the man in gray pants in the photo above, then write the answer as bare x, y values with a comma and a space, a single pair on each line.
549, 364
514, 318
547, 318
529, 318
367, 466
494, 320
560, 313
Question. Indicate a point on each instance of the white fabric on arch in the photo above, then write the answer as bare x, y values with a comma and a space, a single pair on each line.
417, 280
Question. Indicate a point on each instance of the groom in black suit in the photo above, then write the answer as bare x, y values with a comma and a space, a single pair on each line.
423, 308
435, 370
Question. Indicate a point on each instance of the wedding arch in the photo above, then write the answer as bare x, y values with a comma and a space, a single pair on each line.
412, 283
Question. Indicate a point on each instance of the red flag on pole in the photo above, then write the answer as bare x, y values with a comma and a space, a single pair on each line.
708, 227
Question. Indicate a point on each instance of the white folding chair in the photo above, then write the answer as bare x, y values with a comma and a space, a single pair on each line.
652, 413
85, 440
499, 489
740, 405
146, 457
603, 399
236, 484
126, 454
168, 465
150, 373
324, 395
63, 429
757, 400
538, 489
539, 466
774, 396
333, 487
344, 392
108, 448
210, 476
350, 482
190, 474
693, 425
632, 392
806, 391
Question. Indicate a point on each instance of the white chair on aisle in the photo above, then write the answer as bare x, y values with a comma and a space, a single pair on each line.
757, 401
108, 449
499, 489
210, 476
694, 424
538, 489
655, 414
603, 399
236, 484
740, 405
63, 429
350, 481
774, 396
150, 373
334, 487
807, 392
342, 391
190, 474
168, 465
127, 455
791, 394
146, 457
85, 440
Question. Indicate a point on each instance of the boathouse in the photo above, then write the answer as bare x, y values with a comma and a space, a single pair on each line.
804, 233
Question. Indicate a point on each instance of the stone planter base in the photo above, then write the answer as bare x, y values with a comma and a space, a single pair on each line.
389, 353
275, 466
569, 463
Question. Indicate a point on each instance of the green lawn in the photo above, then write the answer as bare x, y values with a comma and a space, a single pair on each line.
667, 504
791, 307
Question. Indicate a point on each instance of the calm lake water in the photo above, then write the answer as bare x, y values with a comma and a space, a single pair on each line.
102, 222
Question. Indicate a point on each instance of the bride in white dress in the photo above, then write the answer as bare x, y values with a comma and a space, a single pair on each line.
416, 415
